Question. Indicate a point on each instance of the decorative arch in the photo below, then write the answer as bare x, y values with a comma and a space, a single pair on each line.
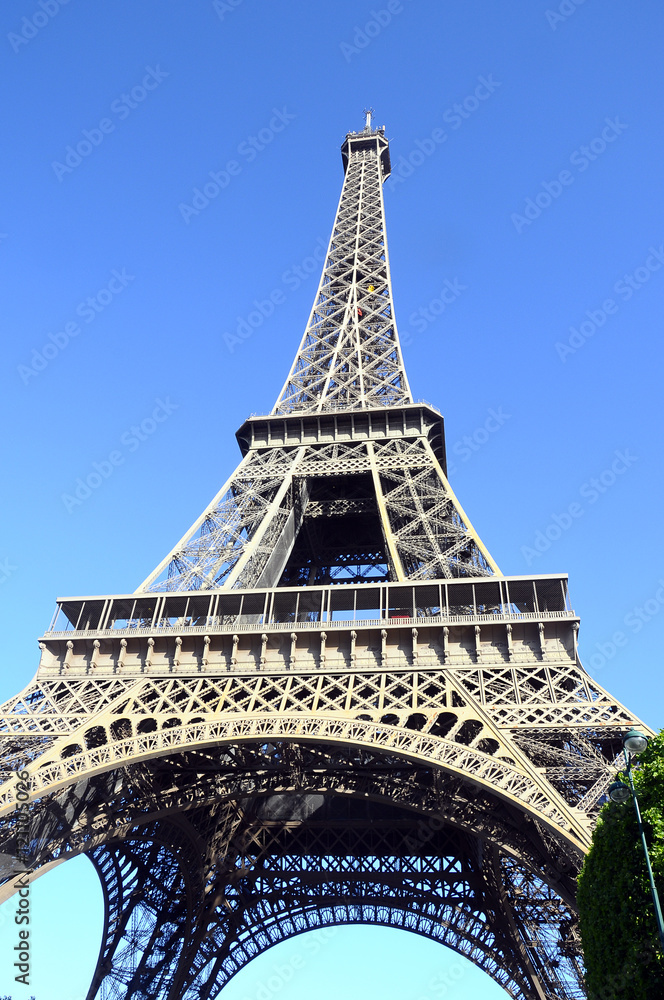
255, 896
207, 854
66, 764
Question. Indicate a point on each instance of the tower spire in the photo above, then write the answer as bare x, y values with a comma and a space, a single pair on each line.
350, 356
345, 480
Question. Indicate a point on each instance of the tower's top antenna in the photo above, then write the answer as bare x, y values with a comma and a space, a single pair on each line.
369, 112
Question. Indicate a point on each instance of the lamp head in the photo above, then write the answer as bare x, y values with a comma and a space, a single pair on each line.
635, 742
619, 792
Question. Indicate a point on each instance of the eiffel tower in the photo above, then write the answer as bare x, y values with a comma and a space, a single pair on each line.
326, 705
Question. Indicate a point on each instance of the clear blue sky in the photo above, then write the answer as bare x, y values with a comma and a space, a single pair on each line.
542, 206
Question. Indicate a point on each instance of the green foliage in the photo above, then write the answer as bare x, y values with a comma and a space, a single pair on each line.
617, 916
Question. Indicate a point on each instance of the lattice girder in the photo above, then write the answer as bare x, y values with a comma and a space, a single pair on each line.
462, 692
423, 713
388, 865
477, 698
247, 535
350, 354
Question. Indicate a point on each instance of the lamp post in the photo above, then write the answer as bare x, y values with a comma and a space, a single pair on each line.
634, 743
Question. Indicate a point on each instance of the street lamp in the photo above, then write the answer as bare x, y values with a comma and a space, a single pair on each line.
619, 792
634, 743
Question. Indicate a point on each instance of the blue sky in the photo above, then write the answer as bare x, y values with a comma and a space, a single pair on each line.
527, 146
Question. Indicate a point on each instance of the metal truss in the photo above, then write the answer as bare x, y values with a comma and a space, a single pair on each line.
210, 856
239, 524
471, 698
349, 360
326, 705
261, 529
350, 354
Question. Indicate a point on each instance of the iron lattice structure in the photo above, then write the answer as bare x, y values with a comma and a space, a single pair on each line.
326, 705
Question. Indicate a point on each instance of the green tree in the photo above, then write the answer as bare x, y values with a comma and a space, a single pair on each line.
617, 916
